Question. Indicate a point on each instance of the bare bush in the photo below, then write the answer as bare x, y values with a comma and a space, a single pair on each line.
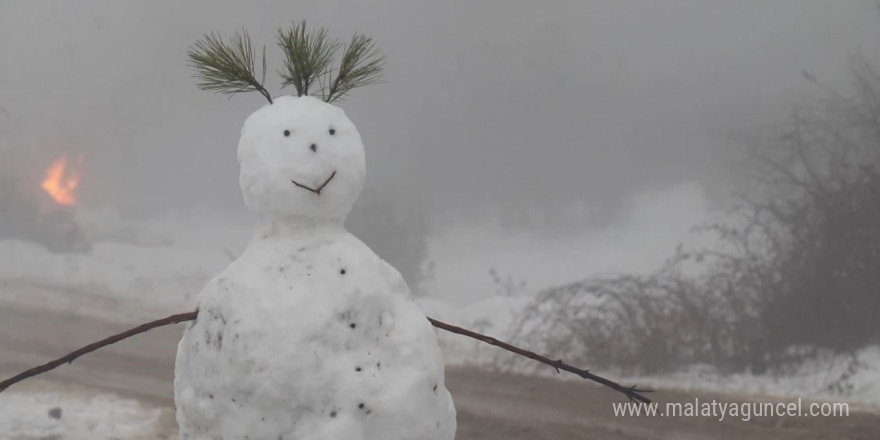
795, 274
644, 324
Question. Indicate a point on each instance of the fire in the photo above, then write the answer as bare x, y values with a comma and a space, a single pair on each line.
61, 181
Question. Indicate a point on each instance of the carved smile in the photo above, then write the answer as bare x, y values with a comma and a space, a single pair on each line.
317, 190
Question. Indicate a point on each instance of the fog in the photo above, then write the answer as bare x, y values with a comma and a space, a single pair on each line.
564, 111
561, 175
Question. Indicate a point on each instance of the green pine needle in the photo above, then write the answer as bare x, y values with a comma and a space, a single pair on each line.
361, 65
308, 56
227, 67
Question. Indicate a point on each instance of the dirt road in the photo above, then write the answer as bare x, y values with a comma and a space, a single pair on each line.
491, 405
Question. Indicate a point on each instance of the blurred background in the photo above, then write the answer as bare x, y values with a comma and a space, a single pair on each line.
649, 187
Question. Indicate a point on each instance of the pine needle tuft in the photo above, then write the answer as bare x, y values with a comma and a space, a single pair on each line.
308, 55
361, 65
227, 67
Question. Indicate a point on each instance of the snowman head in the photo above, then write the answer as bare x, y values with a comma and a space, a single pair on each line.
301, 158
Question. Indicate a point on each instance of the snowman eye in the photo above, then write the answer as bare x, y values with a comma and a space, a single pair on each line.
286, 133
332, 131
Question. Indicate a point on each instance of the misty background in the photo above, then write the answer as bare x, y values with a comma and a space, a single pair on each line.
548, 140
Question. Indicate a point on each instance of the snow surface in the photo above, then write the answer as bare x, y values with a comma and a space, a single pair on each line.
79, 414
335, 348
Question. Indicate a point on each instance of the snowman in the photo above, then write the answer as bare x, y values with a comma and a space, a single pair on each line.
308, 335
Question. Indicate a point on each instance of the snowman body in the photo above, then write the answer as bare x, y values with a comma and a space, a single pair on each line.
308, 334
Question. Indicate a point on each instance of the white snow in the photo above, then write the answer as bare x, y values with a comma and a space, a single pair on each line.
308, 334
287, 153
80, 414
818, 378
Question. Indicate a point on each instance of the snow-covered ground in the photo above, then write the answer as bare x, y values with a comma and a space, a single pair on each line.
142, 270
49, 411
817, 379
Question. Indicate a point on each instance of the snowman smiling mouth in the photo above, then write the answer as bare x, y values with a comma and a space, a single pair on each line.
317, 190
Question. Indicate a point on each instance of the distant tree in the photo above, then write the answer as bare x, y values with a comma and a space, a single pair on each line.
823, 218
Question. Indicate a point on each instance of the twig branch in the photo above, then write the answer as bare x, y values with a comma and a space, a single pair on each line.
315, 190
70, 357
632, 393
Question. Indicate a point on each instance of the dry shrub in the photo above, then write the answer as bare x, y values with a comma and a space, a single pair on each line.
796, 272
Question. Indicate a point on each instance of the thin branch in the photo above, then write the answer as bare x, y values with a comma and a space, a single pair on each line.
799, 147
319, 189
633, 393
70, 357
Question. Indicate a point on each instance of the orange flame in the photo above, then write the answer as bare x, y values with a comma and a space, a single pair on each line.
61, 181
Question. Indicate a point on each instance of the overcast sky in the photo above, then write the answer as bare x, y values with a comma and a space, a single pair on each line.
484, 101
